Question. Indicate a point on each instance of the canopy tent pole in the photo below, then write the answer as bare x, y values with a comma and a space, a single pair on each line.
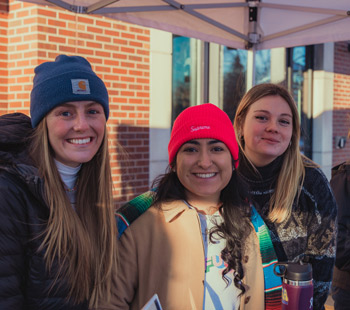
253, 35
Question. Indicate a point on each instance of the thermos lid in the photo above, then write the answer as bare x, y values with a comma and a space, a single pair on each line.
296, 271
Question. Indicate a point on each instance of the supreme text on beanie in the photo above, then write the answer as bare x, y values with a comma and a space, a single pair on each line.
200, 122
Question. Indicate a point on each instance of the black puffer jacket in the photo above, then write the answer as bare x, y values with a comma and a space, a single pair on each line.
24, 281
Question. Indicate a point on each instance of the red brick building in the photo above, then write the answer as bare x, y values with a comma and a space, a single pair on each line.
341, 103
119, 54
138, 66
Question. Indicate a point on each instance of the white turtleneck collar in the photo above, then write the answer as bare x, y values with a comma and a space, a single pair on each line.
68, 174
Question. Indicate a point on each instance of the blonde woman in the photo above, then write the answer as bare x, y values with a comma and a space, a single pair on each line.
57, 227
289, 191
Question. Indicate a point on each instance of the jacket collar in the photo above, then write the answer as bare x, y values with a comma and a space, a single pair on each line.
174, 209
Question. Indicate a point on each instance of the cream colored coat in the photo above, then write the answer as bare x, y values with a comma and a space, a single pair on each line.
162, 252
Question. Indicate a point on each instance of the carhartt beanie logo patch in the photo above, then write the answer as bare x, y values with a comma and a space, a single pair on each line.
67, 79
80, 86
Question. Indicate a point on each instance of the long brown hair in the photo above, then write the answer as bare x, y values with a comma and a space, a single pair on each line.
292, 173
83, 240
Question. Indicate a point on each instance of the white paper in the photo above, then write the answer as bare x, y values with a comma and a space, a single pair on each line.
153, 304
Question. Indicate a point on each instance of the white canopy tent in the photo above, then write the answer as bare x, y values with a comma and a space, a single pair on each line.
250, 24
239, 24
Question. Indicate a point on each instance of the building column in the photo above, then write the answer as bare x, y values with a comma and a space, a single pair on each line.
160, 105
322, 127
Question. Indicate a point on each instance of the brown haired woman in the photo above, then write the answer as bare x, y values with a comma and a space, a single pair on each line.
195, 246
57, 225
289, 191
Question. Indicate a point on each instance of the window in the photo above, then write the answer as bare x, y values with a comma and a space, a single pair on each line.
300, 65
262, 66
184, 76
234, 70
227, 78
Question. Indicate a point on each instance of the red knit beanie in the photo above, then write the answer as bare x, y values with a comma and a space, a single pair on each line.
203, 121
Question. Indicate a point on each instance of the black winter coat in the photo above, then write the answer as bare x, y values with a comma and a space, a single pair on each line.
24, 281
340, 183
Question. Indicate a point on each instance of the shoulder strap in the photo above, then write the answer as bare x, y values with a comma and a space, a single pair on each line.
129, 212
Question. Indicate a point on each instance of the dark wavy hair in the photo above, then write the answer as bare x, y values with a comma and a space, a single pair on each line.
235, 211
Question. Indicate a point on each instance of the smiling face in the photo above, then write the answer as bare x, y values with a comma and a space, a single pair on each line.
76, 130
204, 167
267, 130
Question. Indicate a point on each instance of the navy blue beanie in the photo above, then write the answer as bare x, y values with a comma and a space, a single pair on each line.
68, 78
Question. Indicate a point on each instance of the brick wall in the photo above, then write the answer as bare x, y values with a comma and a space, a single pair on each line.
3, 54
119, 54
341, 107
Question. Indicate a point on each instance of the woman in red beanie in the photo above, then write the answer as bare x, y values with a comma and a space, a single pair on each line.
195, 246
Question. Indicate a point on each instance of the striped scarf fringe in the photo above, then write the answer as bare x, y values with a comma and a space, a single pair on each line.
273, 284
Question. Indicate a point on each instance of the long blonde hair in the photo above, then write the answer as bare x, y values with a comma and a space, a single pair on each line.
292, 173
83, 240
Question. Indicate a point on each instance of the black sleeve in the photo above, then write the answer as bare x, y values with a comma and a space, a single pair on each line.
12, 243
321, 235
341, 187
